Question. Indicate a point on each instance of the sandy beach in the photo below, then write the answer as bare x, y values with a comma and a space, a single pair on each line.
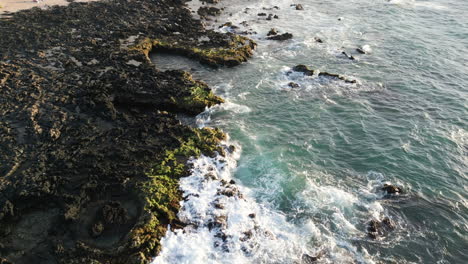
16, 5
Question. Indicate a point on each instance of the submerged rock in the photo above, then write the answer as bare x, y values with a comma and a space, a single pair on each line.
376, 228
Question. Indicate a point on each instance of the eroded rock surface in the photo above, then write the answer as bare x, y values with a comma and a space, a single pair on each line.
90, 149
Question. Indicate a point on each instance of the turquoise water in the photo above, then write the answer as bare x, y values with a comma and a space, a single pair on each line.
320, 152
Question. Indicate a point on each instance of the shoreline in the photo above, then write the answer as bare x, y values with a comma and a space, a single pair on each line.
91, 150
11, 6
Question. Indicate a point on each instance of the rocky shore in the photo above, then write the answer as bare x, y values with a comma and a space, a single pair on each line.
90, 147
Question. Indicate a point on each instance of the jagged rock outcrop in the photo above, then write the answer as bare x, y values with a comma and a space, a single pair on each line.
90, 147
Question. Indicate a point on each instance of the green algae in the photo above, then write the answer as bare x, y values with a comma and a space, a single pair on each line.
238, 50
161, 190
199, 97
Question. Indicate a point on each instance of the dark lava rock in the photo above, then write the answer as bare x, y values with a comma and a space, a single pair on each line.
348, 56
272, 32
252, 215
276, 17
309, 72
261, 14
205, 11
86, 120
377, 228
304, 69
299, 7
281, 37
318, 40
293, 85
391, 189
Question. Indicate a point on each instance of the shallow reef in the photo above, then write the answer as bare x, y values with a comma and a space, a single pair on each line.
90, 147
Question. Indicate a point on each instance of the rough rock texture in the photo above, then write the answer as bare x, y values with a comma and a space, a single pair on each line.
309, 72
90, 148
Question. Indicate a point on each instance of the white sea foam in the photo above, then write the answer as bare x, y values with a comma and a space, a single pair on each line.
225, 224
231, 223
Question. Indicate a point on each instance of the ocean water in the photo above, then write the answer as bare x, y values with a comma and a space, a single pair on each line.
310, 161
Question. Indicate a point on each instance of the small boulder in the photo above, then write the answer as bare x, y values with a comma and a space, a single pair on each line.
299, 7
318, 40
293, 85
261, 14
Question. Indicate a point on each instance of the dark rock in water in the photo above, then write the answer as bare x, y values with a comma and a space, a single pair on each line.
377, 228
391, 189
276, 17
231, 148
261, 14
281, 37
348, 56
293, 85
304, 69
299, 7
272, 32
365, 49
205, 11
317, 39
211, 1
252, 215
270, 16
309, 72
340, 77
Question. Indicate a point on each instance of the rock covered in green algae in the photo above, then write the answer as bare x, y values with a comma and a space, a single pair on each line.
90, 149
